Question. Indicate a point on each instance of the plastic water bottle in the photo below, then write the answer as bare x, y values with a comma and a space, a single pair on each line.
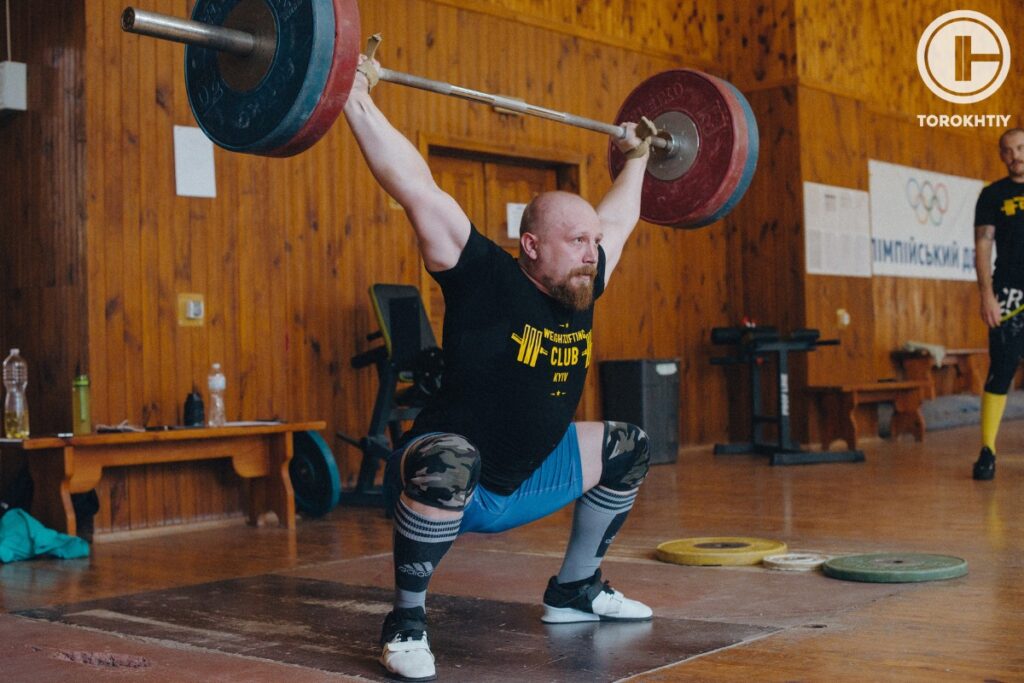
217, 384
15, 403
81, 408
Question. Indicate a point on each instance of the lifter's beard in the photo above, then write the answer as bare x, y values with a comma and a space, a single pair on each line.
579, 296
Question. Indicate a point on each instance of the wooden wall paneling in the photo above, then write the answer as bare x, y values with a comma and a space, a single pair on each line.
660, 28
129, 239
696, 300
757, 43
766, 267
96, 181
834, 151
841, 51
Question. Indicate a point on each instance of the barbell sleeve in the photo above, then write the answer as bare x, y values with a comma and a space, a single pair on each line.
186, 31
241, 43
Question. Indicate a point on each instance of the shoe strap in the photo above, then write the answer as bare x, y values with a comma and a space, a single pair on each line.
409, 645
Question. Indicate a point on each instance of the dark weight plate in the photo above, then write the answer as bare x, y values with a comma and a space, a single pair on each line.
339, 81
259, 103
314, 475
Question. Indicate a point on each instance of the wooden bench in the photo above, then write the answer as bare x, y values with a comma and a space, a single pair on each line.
838, 408
260, 454
971, 367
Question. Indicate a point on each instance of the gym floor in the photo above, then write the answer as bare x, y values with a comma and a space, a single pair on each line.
171, 606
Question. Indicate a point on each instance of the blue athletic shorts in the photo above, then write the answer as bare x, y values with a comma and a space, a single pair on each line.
553, 485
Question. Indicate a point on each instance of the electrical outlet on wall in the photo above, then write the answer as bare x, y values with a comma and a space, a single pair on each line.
191, 310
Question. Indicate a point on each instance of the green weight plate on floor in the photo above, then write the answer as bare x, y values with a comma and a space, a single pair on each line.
895, 567
718, 550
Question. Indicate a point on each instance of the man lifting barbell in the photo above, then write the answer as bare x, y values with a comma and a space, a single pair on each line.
498, 448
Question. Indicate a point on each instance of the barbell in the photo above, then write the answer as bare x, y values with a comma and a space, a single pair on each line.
270, 77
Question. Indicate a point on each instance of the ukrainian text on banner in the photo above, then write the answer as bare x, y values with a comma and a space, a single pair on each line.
922, 223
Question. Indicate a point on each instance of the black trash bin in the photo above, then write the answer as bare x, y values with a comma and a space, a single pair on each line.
646, 393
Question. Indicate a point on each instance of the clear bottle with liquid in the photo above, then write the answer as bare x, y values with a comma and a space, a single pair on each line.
216, 383
16, 402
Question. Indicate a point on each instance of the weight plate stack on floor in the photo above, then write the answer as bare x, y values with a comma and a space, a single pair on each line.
718, 551
895, 567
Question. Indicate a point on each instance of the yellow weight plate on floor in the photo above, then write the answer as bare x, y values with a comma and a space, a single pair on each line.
718, 551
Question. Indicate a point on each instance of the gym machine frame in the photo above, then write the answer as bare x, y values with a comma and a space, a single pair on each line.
756, 344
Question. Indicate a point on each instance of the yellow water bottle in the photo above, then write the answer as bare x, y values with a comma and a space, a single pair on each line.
81, 413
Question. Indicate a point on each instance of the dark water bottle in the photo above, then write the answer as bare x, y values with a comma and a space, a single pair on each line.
195, 415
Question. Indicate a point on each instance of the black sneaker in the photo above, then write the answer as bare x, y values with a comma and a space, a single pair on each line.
589, 600
985, 466
406, 653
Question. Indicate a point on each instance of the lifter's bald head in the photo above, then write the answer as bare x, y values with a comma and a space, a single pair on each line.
558, 238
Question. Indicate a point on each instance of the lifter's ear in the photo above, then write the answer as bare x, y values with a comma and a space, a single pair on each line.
528, 243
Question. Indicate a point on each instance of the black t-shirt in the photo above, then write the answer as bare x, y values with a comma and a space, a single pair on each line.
515, 363
1002, 204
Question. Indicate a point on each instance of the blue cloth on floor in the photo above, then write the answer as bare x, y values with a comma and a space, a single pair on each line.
22, 537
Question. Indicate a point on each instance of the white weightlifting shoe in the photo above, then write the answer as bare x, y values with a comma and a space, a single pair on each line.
592, 601
406, 652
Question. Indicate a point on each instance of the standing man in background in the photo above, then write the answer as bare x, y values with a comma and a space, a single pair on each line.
999, 221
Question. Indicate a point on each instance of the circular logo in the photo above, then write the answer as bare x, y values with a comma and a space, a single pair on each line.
963, 56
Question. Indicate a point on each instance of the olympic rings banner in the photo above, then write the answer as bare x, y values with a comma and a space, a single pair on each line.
922, 223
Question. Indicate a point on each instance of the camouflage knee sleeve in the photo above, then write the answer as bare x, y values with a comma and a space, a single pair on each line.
626, 456
441, 470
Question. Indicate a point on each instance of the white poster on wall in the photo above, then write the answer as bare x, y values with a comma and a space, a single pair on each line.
194, 173
837, 230
922, 223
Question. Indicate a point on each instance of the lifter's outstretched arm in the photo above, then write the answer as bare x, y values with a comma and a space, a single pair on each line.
619, 210
442, 227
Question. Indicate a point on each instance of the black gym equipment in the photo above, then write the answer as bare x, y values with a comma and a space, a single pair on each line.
753, 346
409, 354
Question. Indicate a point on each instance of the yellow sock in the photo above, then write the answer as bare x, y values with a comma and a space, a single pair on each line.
992, 406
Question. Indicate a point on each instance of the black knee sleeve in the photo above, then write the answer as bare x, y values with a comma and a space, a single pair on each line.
1005, 347
441, 471
626, 456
